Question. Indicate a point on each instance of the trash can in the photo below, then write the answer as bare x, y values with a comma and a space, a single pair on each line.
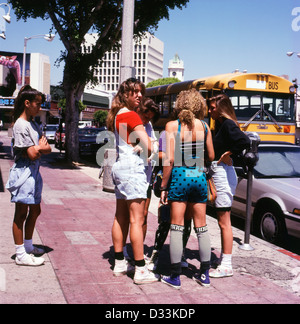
110, 156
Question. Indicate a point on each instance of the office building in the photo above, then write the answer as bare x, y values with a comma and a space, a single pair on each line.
148, 57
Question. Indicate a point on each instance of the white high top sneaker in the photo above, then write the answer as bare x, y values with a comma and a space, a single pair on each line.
144, 276
122, 267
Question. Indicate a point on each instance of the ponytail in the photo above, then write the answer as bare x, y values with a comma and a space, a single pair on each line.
25, 93
187, 117
189, 105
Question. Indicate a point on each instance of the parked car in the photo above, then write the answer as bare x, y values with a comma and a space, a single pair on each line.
87, 140
58, 138
275, 192
1, 124
84, 123
49, 131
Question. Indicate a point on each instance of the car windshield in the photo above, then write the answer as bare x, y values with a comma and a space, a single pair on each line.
88, 131
248, 103
278, 162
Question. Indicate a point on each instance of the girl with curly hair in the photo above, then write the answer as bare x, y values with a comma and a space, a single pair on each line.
184, 181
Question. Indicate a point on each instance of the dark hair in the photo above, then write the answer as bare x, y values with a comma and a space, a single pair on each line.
224, 106
149, 105
120, 100
25, 93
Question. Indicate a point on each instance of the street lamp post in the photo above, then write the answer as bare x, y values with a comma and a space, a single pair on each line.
6, 18
127, 69
47, 37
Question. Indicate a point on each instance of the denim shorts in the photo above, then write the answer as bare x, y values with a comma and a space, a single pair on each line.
130, 182
225, 180
188, 184
25, 182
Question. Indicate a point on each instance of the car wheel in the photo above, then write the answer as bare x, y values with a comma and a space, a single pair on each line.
270, 225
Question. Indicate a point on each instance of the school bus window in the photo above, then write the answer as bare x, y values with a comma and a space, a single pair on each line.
280, 105
157, 100
283, 108
255, 102
269, 105
204, 93
243, 102
165, 105
173, 101
235, 102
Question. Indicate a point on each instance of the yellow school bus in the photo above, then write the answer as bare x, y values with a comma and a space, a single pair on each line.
263, 103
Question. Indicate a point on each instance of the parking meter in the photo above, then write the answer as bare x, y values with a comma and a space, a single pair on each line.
250, 158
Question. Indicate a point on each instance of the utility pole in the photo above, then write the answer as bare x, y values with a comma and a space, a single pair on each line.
127, 70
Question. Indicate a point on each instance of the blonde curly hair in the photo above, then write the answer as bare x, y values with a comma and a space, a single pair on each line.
189, 105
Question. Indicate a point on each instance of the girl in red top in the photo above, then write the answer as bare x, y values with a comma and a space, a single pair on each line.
130, 179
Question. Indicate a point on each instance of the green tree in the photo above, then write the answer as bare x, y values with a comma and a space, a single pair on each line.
100, 117
162, 81
63, 104
72, 20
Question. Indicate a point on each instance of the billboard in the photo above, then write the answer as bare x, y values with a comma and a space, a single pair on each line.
11, 72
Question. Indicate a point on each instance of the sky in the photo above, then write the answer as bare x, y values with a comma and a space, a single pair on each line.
210, 36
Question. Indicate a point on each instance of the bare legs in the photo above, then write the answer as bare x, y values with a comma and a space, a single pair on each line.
226, 231
225, 268
20, 218
129, 213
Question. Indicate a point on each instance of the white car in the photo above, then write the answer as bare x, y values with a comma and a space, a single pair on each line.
275, 192
49, 132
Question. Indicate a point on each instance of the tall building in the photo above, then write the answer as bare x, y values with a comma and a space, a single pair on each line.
176, 68
148, 58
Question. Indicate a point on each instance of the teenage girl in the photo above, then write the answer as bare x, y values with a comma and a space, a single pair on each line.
130, 179
229, 141
184, 182
25, 182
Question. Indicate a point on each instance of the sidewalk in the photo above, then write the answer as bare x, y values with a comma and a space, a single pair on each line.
75, 228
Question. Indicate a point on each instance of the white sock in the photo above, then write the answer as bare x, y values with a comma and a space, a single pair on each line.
20, 251
28, 245
226, 260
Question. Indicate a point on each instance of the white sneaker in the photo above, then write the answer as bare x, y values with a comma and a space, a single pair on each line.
30, 260
144, 276
221, 272
122, 267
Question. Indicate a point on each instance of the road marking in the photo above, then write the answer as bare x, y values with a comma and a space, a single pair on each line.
291, 254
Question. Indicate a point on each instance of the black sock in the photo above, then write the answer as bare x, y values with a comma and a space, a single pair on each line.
140, 263
119, 255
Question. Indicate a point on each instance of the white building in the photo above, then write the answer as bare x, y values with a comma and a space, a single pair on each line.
148, 57
40, 69
176, 68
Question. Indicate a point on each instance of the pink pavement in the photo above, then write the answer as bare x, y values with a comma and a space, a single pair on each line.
75, 228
